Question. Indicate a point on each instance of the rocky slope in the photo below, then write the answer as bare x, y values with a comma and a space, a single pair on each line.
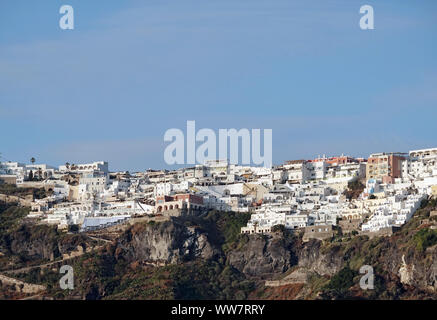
401, 270
40, 242
262, 256
22, 242
206, 257
164, 243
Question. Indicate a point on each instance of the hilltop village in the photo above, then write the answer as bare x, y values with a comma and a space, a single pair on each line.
371, 196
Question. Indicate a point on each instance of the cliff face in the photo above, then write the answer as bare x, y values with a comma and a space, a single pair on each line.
39, 249
172, 242
40, 242
401, 269
262, 256
405, 264
35, 242
311, 256
167, 242
413, 269
270, 256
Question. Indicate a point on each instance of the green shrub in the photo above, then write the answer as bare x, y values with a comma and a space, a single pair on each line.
73, 228
341, 282
226, 226
280, 228
425, 238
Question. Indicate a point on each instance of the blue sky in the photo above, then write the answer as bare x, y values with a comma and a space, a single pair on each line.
130, 70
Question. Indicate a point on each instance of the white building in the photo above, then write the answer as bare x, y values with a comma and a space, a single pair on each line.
101, 166
14, 168
421, 164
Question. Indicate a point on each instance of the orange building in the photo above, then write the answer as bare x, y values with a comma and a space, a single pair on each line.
178, 201
385, 166
338, 160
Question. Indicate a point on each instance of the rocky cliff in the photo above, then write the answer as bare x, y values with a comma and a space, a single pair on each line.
401, 268
39, 242
166, 242
262, 256
207, 257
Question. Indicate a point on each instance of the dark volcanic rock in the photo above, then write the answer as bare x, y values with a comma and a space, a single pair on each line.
312, 257
262, 256
165, 242
39, 242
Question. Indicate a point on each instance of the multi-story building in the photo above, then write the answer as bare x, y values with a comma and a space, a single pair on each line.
421, 164
297, 171
91, 184
12, 169
385, 166
334, 168
178, 202
316, 170
216, 168
101, 166
165, 189
41, 171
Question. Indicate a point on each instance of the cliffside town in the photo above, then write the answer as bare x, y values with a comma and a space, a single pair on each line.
300, 230
373, 195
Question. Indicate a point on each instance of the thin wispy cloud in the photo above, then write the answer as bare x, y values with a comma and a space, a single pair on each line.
300, 68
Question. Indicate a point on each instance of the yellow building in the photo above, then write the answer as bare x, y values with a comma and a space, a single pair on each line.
434, 191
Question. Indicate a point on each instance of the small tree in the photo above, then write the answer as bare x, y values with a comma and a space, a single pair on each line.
278, 228
32, 160
73, 228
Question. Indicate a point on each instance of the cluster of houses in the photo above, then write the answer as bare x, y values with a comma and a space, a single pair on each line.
310, 195
299, 194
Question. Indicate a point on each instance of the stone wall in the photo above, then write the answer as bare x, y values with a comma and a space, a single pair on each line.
180, 212
298, 276
14, 199
8, 179
318, 232
348, 226
381, 232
